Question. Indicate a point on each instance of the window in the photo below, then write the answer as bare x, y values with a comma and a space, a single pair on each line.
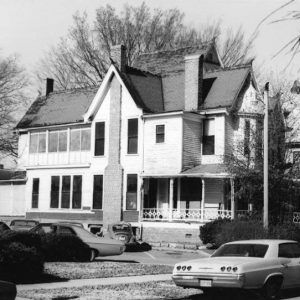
208, 142
132, 136
35, 192
77, 186
289, 250
54, 194
247, 138
131, 195
99, 138
65, 192
80, 139
37, 142
160, 133
98, 192
58, 141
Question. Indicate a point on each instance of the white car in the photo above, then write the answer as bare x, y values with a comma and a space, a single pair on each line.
268, 265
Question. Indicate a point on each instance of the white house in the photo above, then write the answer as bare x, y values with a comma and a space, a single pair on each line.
147, 147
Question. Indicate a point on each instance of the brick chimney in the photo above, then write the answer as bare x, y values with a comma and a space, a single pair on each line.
193, 82
118, 55
49, 86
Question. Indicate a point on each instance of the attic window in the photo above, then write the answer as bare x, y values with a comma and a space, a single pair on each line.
37, 142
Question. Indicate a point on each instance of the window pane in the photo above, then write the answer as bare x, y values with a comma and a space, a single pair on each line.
209, 127
132, 136
54, 192
98, 192
247, 137
53, 141
62, 141
42, 142
76, 199
35, 192
85, 139
208, 145
131, 195
33, 143
65, 192
99, 138
75, 140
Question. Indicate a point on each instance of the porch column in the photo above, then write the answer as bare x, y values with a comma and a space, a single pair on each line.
141, 203
232, 198
178, 193
203, 200
171, 199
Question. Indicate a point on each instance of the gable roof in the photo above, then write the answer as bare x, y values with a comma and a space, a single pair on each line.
58, 108
224, 86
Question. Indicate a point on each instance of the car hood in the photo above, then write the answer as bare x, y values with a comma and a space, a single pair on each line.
214, 264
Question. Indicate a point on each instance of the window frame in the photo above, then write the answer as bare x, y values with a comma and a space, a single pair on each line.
99, 140
160, 136
37, 146
208, 141
34, 193
132, 136
247, 129
131, 207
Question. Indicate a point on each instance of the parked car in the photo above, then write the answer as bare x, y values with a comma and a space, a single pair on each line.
121, 231
8, 290
41, 228
3, 227
267, 265
99, 246
23, 224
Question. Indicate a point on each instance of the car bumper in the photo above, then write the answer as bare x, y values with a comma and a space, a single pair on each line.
209, 280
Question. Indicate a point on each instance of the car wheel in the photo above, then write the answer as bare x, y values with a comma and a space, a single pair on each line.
93, 254
272, 288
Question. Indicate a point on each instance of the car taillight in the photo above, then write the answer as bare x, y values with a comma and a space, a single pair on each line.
234, 269
223, 269
228, 269
183, 268
178, 268
189, 268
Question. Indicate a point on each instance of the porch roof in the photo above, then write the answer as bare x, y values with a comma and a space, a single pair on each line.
208, 171
204, 171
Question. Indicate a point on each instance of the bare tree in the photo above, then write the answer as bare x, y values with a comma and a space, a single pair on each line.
82, 57
12, 84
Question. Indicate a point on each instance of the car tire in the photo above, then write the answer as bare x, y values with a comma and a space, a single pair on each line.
93, 254
271, 288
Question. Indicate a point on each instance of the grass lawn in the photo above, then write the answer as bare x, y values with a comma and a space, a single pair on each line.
69, 270
149, 290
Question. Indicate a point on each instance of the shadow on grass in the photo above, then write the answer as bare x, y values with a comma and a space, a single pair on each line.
102, 259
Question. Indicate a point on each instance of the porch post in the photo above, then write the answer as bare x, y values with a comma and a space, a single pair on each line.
203, 200
232, 198
141, 204
178, 193
171, 199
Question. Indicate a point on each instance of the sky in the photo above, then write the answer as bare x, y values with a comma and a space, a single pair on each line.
29, 28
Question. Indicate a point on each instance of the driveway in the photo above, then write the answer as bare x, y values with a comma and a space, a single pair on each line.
166, 257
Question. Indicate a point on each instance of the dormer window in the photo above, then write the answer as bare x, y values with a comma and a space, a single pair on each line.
208, 141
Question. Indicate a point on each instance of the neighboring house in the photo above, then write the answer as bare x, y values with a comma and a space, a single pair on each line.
12, 190
147, 147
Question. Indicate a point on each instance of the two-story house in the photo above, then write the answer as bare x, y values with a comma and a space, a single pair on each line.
147, 147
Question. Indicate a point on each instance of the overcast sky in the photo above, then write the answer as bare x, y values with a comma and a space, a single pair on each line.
30, 27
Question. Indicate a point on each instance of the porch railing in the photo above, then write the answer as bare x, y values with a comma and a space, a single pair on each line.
188, 214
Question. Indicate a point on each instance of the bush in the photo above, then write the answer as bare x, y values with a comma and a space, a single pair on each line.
209, 231
26, 238
19, 262
225, 232
64, 247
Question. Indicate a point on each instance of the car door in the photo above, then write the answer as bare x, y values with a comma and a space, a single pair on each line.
291, 271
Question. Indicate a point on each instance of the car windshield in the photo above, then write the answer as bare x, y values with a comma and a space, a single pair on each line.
242, 250
121, 227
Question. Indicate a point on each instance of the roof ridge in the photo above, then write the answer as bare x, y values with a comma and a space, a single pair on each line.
206, 43
87, 88
242, 66
144, 71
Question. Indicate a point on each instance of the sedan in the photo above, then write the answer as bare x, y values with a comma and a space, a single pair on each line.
99, 246
121, 231
267, 265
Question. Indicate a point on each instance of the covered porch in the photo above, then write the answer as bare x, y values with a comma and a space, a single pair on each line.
200, 194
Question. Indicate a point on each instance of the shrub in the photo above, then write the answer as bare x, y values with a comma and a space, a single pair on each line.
64, 247
209, 230
19, 262
26, 238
